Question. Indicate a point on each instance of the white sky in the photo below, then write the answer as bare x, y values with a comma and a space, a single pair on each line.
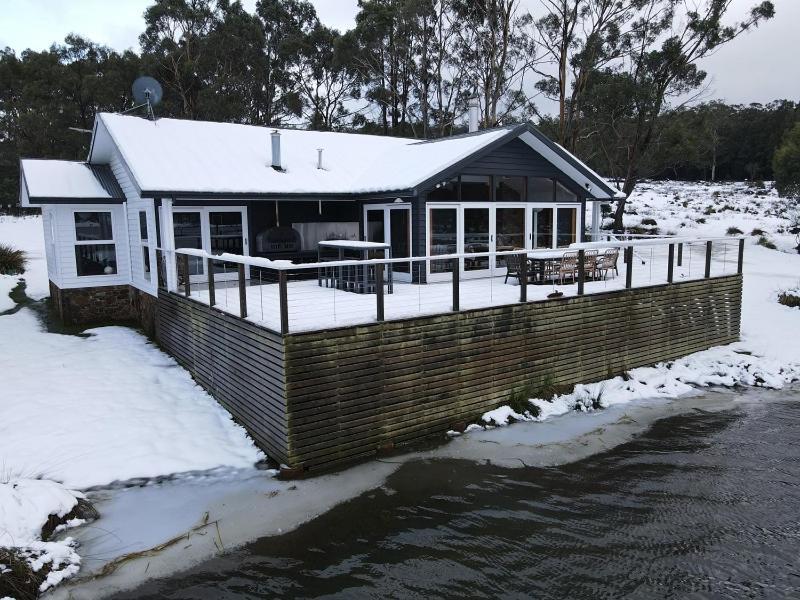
759, 67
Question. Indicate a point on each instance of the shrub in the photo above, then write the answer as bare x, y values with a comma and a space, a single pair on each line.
710, 210
758, 231
790, 298
701, 220
649, 221
765, 241
734, 231
12, 262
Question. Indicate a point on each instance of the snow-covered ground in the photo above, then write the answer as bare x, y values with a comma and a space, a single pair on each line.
88, 411
24, 234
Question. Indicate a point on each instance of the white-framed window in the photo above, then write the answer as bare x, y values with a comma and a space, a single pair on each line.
144, 238
95, 249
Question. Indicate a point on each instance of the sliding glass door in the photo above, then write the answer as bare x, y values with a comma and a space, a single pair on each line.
391, 224
216, 230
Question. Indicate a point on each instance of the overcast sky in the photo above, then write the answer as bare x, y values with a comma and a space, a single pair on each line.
759, 67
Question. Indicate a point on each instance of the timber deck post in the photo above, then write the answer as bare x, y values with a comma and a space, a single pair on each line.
283, 300
187, 290
242, 292
680, 254
708, 259
456, 290
581, 271
671, 263
523, 278
212, 297
628, 267
740, 261
379, 291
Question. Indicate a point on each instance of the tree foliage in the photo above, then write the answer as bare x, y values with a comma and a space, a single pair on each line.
623, 74
786, 164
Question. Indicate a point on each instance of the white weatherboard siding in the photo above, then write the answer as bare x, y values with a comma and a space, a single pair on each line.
135, 204
49, 231
65, 246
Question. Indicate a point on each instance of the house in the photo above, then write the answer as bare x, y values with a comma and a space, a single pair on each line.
211, 236
255, 191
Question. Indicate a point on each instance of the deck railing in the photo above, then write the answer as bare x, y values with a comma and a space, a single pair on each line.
285, 296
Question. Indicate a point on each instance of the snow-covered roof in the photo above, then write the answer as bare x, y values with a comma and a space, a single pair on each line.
64, 179
175, 155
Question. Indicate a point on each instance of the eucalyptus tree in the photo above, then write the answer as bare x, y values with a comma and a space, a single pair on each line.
498, 52
175, 39
286, 25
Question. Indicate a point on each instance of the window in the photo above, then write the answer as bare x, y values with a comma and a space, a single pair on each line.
95, 251
510, 189
540, 189
476, 188
565, 195
145, 239
444, 192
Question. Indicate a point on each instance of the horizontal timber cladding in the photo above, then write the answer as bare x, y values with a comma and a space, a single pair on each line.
353, 390
237, 362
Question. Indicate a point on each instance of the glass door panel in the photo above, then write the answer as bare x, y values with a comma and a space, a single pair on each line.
400, 237
542, 227
477, 238
226, 235
443, 224
510, 231
566, 227
188, 230
375, 231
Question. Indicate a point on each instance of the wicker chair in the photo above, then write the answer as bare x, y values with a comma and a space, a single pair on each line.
568, 267
590, 263
608, 262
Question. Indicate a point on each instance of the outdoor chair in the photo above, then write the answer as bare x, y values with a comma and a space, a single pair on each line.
608, 262
590, 263
514, 266
569, 266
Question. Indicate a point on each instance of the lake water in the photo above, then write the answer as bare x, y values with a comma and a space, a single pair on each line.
705, 505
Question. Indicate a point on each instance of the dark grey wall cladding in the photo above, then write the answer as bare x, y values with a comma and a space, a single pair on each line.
323, 399
239, 363
353, 390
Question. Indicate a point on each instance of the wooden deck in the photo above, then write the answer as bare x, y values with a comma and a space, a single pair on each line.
321, 399
312, 308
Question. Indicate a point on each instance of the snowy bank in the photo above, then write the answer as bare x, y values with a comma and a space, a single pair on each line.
30, 511
24, 233
89, 411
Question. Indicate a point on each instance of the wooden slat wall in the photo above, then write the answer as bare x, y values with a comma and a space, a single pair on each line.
352, 390
238, 362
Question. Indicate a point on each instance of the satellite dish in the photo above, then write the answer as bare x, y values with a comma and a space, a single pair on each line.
147, 92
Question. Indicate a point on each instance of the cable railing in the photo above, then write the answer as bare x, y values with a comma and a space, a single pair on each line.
288, 297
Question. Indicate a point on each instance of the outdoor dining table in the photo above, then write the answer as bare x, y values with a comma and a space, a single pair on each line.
359, 279
539, 258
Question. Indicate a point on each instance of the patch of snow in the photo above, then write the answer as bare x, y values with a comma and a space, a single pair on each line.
24, 233
25, 506
503, 416
118, 409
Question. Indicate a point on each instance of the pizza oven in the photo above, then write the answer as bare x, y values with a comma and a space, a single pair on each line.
279, 240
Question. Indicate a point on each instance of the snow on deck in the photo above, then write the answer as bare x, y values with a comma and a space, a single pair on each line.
312, 307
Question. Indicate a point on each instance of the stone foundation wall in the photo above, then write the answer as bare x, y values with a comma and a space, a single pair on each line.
143, 307
83, 306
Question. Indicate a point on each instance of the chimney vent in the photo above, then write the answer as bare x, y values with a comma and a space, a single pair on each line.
276, 150
319, 158
474, 114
